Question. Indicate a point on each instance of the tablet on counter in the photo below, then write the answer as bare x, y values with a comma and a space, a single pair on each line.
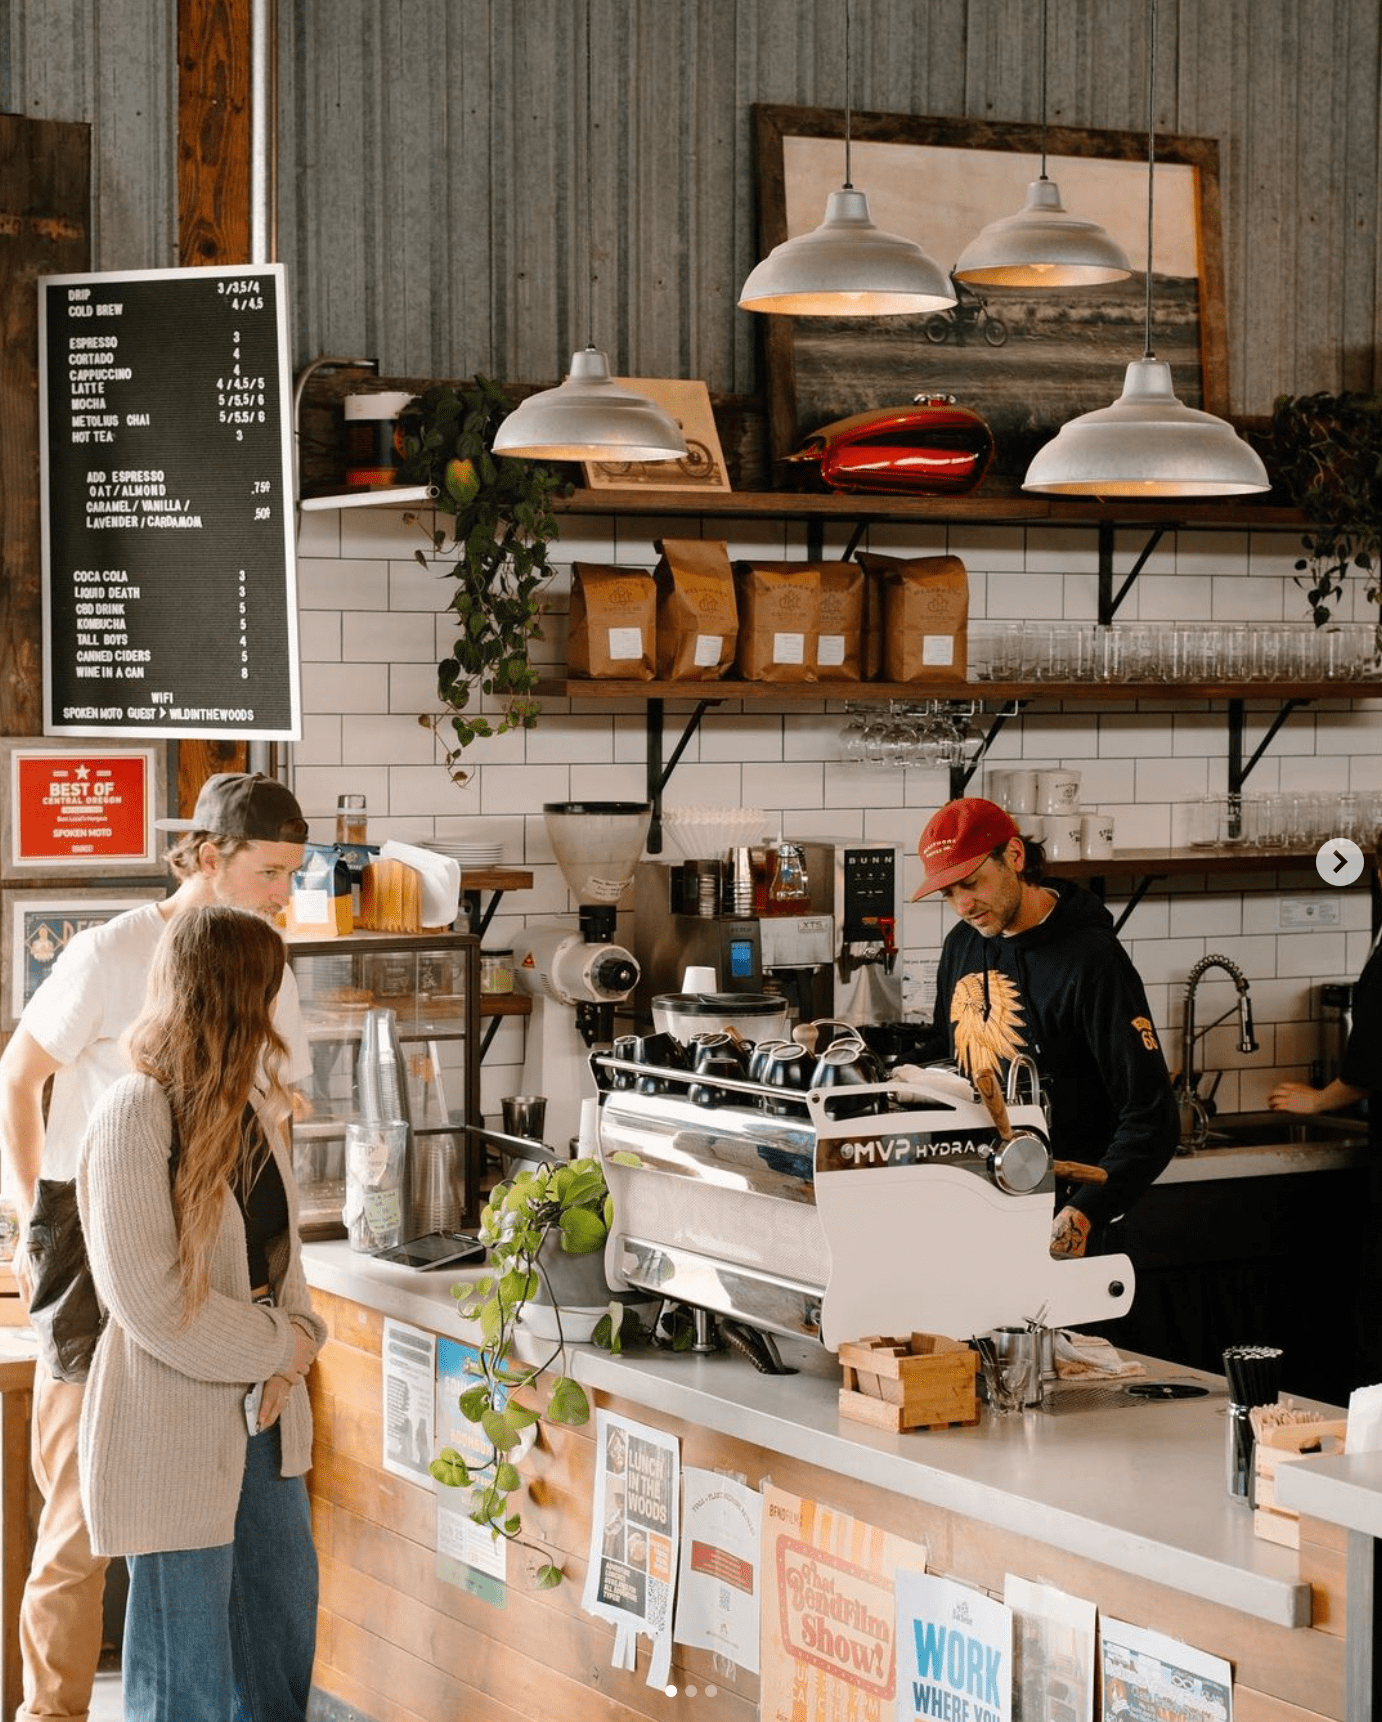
435, 1250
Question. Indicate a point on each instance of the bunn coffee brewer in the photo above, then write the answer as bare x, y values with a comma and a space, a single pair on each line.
820, 928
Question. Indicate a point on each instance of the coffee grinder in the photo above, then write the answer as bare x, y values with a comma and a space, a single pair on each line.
577, 974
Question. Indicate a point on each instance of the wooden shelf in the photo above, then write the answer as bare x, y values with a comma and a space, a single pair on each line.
505, 1004
1017, 508
496, 879
1212, 858
1103, 693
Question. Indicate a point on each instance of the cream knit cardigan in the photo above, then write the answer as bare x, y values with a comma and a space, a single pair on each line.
163, 1434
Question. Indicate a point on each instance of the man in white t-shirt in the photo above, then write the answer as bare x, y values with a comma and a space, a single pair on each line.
241, 847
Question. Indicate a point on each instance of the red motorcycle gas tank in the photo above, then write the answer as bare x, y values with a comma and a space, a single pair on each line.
932, 447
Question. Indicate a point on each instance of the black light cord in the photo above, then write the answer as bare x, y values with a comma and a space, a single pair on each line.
849, 183
1151, 171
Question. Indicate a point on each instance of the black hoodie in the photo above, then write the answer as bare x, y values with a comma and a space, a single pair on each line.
1065, 993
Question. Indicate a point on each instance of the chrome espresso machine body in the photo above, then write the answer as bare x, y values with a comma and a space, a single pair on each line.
832, 953
908, 1205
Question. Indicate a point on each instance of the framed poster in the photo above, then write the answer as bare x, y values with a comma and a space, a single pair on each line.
37, 925
1025, 360
702, 467
80, 810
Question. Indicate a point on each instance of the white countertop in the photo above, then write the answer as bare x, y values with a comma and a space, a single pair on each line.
1340, 1488
1136, 1485
1209, 1165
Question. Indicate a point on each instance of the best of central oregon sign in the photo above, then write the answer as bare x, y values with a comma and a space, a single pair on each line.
169, 589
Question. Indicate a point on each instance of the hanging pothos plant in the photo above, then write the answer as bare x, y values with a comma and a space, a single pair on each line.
564, 1206
1326, 453
503, 521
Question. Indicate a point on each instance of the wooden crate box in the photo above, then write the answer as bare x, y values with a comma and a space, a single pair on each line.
911, 1383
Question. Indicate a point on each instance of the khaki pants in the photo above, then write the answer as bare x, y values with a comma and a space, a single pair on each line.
60, 1620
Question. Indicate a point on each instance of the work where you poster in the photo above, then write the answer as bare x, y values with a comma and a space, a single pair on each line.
829, 1647
954, 1652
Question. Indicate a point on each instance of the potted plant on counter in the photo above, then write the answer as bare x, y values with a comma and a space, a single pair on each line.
502, 524
1326, 455
529, 1225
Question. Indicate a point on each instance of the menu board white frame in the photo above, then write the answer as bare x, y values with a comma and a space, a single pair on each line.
207, 647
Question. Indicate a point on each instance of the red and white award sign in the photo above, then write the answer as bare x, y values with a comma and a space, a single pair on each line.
81, 809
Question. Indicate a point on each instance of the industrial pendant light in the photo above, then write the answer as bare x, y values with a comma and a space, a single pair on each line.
1043, 245
847, 267
589, 416
1148, 443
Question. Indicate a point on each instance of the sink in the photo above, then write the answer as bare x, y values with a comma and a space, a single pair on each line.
1275, 1129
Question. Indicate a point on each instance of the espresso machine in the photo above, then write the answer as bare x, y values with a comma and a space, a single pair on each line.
576, 974
819, 927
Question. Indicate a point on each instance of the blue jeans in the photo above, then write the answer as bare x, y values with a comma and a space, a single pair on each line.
229, 1632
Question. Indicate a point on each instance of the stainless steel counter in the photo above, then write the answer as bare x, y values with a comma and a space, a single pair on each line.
1136, 1485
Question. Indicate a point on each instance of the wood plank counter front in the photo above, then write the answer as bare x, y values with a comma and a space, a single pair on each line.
1124, 1504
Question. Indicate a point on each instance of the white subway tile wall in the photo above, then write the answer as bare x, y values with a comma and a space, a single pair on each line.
374, 623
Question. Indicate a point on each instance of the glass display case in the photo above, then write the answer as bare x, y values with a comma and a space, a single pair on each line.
428, 984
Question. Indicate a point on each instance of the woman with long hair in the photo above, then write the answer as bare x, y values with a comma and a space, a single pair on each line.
196, 1429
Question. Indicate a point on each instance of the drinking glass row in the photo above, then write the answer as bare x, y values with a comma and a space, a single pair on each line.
1030, 651
924, 733
1279, 820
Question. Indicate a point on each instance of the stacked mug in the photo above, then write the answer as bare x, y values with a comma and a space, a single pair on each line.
1046, 806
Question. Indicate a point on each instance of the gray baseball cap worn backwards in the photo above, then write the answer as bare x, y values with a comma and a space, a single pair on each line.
248, 806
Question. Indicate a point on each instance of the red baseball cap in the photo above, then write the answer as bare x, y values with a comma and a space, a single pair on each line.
958, 838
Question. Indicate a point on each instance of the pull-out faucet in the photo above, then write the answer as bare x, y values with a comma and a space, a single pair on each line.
1195, 1109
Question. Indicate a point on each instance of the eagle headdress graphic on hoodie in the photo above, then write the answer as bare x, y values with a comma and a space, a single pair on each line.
986, 1010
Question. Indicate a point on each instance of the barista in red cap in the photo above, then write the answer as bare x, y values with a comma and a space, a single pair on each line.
241, 846
1035, 967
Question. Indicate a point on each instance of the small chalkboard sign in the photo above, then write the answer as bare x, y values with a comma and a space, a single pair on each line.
169, 582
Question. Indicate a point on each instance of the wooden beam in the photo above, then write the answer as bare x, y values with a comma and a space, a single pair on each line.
45, 199
213, 155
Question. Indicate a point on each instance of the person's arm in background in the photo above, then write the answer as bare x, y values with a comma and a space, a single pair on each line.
1301, 1097
24, 1070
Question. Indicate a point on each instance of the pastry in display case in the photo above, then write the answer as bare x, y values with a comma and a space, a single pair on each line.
392, 1022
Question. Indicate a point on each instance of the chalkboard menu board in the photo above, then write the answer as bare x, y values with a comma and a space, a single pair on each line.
169, 589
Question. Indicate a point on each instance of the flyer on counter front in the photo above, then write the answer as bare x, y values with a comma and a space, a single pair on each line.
469, 1555
633, 1538
829, 1633
410, 1359
1053, 1650
955, 1652
1147, 1676
717, 1581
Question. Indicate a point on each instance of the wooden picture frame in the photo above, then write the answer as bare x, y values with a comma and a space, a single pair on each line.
88, 836
35, 926
702, 467
939, 182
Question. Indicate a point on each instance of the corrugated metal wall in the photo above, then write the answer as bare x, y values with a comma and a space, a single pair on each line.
446, 206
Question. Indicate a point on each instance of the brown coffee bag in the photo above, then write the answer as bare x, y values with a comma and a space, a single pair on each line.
779, 616
697, 616
925, 616
613, 626
840, 618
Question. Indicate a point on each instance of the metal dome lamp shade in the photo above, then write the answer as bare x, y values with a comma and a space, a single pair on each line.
1148, 444
589, 416
847, 267
1043, 245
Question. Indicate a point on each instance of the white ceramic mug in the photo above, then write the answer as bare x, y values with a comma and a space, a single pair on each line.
1022, 792
1033, 826
997, 788
1096, 841
1064, 839
1058, 791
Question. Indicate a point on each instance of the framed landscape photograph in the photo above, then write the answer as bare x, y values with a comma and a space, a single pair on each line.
37, 925
1025, 360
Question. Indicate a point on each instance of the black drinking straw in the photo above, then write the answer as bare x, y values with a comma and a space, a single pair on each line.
1253, 1373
